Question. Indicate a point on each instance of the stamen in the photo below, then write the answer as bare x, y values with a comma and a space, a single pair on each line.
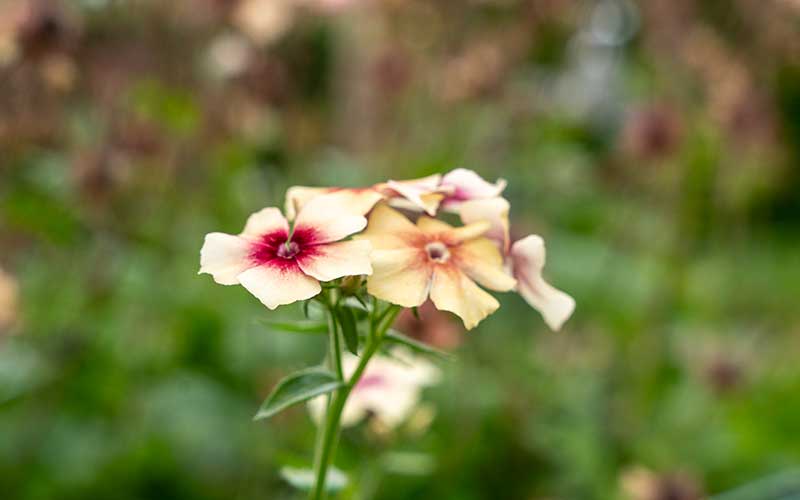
288, 250
437, 251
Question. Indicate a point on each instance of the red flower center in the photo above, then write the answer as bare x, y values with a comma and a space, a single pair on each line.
276, 249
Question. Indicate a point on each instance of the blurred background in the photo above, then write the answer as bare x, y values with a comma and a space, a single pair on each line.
654, 145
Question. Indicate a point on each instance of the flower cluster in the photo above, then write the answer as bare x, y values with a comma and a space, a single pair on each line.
389, 233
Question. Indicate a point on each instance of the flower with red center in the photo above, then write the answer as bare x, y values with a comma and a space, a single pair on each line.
281, 265
462, 186
411, 262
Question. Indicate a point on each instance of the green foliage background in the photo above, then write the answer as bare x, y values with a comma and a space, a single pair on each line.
653, 145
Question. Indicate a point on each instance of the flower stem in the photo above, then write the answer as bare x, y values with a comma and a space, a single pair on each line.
330, 432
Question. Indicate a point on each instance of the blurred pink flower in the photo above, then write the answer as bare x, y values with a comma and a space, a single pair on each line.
388, 391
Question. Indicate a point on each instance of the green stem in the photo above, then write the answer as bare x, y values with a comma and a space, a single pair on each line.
333, 415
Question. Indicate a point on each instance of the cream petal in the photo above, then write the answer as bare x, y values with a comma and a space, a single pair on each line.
334, 260
452, 235
468, 232
495, 212
388, 229
328, 219
482, 262
298, 196
224, 257
266, 220
452, 290
275, 286
400, 276
528, 259
429, 225
468, 185
421, 193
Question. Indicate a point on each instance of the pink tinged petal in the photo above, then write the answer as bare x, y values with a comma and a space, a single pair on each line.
334, 260
528, 257
467, 185
224, 257
267, 220
328, 220
400, 276
495, 212
482, 262
278, 284
451, 235
452, 290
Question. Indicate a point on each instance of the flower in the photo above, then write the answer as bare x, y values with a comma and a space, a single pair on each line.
465, 185
415, 194
389, 389
524, 259
411, 262
431, 327
280, 266
264, 21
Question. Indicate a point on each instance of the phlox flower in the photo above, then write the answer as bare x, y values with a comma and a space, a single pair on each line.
416, 194
411, 262
524, 260
462, 186
9, 300
389, 389
281, 265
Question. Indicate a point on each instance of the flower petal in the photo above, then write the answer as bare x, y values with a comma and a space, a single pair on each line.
421, 193
298, 196
528, 257
328, 220
224, 257
266, 220
452, 290
482, 262
452, 235
467, 185
334, 260
492, 210
389, 229
275, 286
400, 276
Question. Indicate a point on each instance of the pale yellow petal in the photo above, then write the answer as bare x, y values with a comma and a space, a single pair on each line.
224, 257
468, 232
400, 276
452, 290
389, 229
482, 262
495, 212
421, 193
334, 260
276, 286
528, 257
430, 225
328, 219
266, 220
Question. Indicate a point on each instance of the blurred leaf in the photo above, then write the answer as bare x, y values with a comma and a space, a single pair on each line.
296, 388
408, 463
308, 326
783, 486
416, 345
303, 479
349, 331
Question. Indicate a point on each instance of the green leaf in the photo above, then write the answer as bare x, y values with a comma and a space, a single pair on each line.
307, 326
349, 332
303, 479
296, 388
415, 345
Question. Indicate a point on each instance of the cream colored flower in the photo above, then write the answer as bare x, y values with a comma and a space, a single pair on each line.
411, 262
415, 194
524, 259
264, 21
280, 266
389, 388
464, 185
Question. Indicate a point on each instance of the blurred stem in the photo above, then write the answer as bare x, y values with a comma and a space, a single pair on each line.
326, 446
333, 332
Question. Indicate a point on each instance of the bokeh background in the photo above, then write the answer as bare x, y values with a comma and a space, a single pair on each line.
654, 145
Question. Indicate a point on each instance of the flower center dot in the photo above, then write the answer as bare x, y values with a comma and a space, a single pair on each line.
437, 251
288, 250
